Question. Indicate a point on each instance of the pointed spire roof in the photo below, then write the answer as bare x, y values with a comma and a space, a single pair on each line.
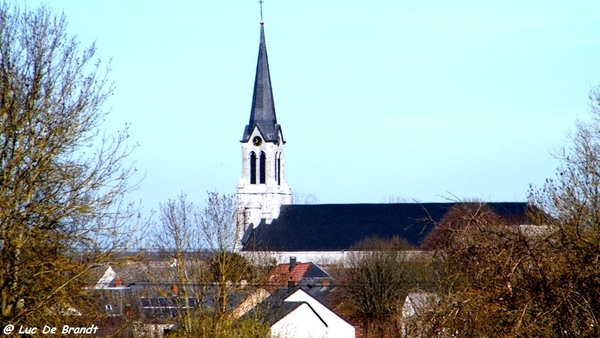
262, 113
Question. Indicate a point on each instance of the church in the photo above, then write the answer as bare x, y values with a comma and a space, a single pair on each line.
270, 222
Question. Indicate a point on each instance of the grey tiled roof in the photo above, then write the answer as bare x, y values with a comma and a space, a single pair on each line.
273, 308
332, 227
262, 113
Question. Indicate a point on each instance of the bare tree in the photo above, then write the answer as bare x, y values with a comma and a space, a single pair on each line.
186, 234
304, 198
181, 274
219, 223
376, 278
220, 227
61, 194
395, 199
528, 280
483, 271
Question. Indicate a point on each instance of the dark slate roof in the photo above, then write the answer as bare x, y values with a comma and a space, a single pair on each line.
270, 309
156, 297
315, 271
262, 113
330, 227
274, 308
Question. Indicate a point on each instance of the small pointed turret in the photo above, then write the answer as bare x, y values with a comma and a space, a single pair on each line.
262, 113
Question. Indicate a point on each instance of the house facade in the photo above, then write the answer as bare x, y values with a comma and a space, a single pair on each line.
294, 313
337, 327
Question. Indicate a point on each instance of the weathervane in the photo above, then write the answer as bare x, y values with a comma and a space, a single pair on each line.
261, 15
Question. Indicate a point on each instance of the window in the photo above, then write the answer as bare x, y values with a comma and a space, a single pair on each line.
252, 168
278, 171
263, 168
276, 163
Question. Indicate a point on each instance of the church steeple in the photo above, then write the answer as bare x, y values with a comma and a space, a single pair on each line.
262, 188
262, 113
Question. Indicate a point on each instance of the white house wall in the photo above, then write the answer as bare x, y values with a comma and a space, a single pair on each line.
300, 323
336, 326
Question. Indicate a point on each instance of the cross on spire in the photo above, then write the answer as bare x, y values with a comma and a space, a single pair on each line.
261, 13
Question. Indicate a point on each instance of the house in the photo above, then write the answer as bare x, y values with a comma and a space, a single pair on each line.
294, 313
149, 299
297, 273
309, 277
416, 302
297, 320
251, 301
110, 292
155, 301
337, 326
318, 233
414, 306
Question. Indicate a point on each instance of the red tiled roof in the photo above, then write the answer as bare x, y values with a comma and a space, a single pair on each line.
281, 274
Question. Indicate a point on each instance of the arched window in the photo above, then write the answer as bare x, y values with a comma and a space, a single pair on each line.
252, 168
278, 169
263, 168
275, 167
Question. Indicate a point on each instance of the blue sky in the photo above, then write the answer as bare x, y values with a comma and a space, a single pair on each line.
418, 99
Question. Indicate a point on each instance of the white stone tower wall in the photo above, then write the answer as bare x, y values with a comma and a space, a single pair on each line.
267, 197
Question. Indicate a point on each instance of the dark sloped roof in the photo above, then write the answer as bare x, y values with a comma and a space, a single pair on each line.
273, 308
270, 309
151, 295
328, 227
262, 113
315, 271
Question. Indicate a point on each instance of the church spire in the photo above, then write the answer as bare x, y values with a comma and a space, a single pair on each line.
262, 189
262, 113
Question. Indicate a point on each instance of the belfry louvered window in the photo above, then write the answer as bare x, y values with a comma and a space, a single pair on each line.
263, 168
252, 168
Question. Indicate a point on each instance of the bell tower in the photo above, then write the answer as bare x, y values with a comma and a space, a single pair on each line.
263, 188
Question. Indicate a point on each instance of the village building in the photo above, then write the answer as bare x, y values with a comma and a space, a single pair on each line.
321, 233
295, 313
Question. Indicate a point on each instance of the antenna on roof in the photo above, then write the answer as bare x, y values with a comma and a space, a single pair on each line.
261, 14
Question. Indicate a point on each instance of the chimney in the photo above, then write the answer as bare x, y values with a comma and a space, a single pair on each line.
118, 282
292, 263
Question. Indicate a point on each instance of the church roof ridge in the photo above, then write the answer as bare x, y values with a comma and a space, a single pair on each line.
262, 112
